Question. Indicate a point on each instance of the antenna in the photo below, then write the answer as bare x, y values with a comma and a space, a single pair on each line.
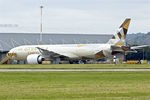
41, 27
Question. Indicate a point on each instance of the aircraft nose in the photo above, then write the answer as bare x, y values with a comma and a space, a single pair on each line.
12, 53
12, 50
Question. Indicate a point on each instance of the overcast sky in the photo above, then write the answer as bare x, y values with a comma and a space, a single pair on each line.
74, 16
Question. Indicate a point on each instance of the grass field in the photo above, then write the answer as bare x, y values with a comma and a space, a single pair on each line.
78, 66
75, 86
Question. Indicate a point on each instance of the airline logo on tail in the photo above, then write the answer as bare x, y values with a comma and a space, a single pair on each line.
120, 36
123, 29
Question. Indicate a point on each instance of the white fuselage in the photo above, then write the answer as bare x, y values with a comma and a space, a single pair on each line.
72, 51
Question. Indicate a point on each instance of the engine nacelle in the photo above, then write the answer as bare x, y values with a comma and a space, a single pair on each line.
35, 59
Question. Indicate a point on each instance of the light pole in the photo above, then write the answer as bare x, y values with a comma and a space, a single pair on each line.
143, 54
41, 26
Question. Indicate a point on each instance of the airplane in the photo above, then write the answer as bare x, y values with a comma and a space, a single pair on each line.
36, 54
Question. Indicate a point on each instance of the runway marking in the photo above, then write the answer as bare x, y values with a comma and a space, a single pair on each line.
74, 70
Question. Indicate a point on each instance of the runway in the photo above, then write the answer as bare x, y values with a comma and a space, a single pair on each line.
75, 70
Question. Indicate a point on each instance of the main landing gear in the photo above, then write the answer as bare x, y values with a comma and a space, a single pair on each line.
77, 61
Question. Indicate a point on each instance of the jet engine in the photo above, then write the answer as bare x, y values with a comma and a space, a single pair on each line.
35, 59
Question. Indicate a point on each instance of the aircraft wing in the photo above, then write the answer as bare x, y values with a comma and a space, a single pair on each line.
140, 47
45, 53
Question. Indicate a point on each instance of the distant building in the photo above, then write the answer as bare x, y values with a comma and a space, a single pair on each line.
11, 40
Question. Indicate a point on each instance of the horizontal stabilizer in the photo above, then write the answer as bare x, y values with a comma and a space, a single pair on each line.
140, 47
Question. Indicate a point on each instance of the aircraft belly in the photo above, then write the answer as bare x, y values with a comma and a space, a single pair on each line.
83, 52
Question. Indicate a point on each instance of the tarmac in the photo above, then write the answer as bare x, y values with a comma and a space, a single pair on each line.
76, 70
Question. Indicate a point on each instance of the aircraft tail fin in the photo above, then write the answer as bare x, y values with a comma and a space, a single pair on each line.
119, 38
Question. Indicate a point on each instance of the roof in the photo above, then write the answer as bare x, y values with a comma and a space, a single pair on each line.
11, 40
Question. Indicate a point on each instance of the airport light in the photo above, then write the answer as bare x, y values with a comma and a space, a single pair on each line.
143, 54
41, 26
